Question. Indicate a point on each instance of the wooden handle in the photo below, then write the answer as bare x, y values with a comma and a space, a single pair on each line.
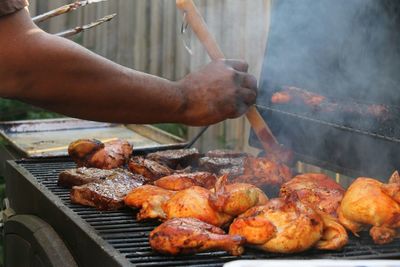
200, 28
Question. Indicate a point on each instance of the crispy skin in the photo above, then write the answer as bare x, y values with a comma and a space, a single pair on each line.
315, 189
368, 202
93, 153
148, 168
190, 235
176, 158
217, 208
83, 175
149, 199
182, 181
263, 172
281, 226
107, 194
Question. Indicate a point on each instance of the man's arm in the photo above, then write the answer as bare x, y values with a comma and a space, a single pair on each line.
59, 75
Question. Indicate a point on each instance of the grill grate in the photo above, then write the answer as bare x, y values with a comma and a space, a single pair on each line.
130, 238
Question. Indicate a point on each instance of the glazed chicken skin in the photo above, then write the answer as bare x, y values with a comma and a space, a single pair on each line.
315, 189
280, 226
181, 181
95, 154
149, 199
370, 203
190, 235
217, 208
263, 172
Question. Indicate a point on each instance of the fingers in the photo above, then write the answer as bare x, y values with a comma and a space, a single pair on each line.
238, 65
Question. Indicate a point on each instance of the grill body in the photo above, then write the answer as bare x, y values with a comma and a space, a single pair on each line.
115, 238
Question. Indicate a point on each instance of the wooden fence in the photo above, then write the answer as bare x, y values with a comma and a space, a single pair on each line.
146, 36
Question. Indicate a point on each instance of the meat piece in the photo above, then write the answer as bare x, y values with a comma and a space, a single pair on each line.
232, 172
225, 153
176, 158
315, 189
83, 175
370, 203
190, 235
302, 97
93, 153
217, 208
107, 194
263, 172
182, 181
215, 165
148, 168
149, 199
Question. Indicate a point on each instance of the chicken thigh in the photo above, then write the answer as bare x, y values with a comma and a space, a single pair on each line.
190, 235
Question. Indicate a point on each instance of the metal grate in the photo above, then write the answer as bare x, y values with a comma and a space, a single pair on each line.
130, 238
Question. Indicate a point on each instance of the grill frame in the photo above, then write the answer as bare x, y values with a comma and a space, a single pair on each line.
93, 241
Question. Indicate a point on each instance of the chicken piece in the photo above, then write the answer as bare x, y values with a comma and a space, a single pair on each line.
149, 199
182, 181
190, 235
93, 153
315, 189
176, 158
217, 208
148, 168
281, 226
195, 202
368, 202
263, 172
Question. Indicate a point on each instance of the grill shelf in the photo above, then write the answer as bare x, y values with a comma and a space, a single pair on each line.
129, 237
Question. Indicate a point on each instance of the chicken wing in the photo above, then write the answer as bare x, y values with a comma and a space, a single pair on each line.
93, 153
370, 203
190, 235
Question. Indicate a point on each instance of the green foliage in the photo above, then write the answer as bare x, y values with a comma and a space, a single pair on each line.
174, 128
15, 110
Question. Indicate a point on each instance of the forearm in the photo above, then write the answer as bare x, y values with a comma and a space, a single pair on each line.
64, 77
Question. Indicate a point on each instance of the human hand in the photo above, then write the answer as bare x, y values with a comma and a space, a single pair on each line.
220, 90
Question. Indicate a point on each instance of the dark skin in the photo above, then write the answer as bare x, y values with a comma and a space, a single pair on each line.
59, 75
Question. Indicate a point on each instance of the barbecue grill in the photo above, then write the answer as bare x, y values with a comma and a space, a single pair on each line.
39, 211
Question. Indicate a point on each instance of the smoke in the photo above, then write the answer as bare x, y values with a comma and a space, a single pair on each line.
348, 50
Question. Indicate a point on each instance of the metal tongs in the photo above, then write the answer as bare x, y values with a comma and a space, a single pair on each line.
270, 144
68, 8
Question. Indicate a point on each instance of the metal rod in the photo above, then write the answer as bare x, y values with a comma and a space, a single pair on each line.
76, 30
63, 10
198, 135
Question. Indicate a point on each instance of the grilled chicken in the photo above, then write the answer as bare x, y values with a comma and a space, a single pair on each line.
190, 235
369, 203
176, 158
182, 181
315, 189
149, 199
263, 172
148, 168
95, 154
217, 208
297, 96
281, 226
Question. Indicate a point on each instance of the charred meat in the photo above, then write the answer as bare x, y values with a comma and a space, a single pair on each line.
222, 166
83, 175
177, 158
182, 181
148, 168
95, 154
107, 194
